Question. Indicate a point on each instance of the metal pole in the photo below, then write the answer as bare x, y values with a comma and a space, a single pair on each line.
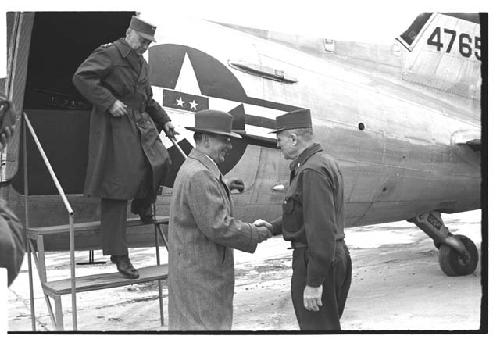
178, 147
49, 166
160, 285
26, 226
70, 213
72, 264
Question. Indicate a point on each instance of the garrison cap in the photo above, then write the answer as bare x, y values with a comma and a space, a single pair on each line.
146, 30
215, 122
300, 118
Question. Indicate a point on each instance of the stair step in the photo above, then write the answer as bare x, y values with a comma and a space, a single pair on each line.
105, 280
33, 232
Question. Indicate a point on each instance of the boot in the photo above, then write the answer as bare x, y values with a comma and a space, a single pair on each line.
124, 266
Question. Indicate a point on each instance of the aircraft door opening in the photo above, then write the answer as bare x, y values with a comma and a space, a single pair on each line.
59, 43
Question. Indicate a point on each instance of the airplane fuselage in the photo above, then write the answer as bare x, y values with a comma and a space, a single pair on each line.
398, 143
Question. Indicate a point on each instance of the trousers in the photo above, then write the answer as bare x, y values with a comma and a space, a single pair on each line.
335, 290
113, 227
114, 216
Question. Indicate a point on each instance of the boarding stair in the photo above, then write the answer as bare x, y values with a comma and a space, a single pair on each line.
53, 289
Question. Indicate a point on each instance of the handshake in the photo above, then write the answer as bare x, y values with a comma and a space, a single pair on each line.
264, 225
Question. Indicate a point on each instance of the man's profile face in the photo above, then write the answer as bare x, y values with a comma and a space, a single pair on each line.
285, 142
137, 42
220, 145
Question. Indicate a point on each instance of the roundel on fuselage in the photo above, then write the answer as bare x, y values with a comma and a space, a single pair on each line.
213, 79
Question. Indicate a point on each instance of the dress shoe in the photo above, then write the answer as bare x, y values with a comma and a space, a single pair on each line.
145, 213
124, 266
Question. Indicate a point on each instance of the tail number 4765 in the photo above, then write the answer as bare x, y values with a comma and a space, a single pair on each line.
467, 45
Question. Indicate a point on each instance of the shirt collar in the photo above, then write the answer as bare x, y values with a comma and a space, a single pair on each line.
206, 161
123, 47
306, 154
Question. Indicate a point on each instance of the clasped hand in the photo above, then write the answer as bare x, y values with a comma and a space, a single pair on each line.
118, 109
264, 223
312, 298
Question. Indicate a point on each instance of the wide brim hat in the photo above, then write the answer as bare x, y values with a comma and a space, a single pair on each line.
214, 122
143, 28
300, 118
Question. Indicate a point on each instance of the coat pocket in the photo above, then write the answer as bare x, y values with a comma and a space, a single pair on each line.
292, 213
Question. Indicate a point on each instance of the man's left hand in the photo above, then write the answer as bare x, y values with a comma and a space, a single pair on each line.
170, 130
312, 298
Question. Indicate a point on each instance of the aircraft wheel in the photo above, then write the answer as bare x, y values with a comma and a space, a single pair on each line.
454, 265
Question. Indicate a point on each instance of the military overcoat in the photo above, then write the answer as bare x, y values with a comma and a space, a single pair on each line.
201, 236
120, 148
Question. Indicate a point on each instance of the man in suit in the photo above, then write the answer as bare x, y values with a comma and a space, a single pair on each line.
203, 232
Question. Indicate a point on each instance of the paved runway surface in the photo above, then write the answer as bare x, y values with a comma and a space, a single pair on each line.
397, 285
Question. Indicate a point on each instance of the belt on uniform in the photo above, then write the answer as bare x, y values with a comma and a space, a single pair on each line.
297, 244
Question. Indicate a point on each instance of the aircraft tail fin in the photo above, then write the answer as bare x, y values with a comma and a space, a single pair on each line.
443, 51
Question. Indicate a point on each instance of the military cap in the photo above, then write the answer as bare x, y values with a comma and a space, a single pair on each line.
300, 118
215, 122
146, 30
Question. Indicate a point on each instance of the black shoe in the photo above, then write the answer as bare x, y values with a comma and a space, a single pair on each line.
124, 266
145, 213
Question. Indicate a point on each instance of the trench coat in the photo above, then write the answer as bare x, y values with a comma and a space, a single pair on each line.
120, 148
201, 236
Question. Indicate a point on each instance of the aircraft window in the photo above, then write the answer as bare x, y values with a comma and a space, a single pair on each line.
412, 32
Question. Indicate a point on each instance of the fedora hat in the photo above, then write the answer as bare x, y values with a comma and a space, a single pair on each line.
214, 122
300, 118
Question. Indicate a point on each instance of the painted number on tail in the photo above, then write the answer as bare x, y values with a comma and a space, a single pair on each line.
467, 45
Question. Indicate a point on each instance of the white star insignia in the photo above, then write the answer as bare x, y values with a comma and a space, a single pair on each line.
193, 105
180, 102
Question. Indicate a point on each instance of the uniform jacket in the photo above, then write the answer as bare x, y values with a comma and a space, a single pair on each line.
202, 234
11, 243
313, 210
120, 147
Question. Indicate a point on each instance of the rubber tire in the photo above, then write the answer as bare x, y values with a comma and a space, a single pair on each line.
450, 261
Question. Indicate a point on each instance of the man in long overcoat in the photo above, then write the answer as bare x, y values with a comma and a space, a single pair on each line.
126, 157
203, 232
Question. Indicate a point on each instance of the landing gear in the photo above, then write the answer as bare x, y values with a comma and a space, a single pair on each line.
453, 264
458, 255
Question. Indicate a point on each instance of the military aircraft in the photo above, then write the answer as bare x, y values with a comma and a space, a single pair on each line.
402, 120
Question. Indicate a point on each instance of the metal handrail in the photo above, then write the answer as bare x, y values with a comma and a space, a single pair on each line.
69, 209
